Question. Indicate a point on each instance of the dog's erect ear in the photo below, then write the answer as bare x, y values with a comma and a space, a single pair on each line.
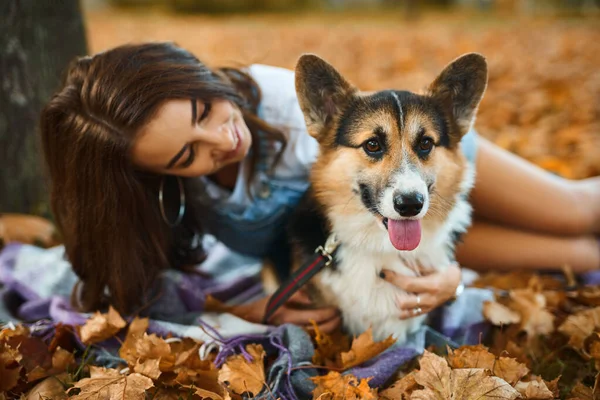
322, 93
460, 86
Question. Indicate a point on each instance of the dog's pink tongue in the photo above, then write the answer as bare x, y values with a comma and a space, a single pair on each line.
405, 234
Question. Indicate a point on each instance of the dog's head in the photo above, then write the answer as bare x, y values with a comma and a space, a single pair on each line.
392, 156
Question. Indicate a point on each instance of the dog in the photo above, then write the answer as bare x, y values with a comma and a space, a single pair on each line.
390, 183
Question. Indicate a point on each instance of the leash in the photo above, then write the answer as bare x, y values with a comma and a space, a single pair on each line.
324, 257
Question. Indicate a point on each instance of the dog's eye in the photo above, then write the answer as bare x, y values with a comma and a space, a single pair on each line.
372, 146
425, 144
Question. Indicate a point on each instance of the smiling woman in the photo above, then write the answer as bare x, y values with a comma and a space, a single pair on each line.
114, 134
215, 138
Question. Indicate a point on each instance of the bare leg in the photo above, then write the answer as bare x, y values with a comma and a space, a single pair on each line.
511, 191
489, 247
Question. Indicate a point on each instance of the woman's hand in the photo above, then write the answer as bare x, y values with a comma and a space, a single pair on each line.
297, 310
425, 292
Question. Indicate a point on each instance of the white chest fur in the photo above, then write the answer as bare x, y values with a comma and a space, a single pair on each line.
355, 287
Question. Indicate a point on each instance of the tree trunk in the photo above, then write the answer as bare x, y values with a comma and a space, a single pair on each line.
38, 39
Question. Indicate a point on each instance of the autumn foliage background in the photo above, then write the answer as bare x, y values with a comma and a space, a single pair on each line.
542, 103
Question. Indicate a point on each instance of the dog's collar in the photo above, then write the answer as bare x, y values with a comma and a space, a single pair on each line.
323, 258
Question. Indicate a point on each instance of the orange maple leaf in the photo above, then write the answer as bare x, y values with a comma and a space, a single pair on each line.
241, 375
442, 382
101, 326
401, 389
335, 386
363, 349
106, 383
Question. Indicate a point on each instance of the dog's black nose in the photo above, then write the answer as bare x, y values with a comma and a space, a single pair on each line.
408, 205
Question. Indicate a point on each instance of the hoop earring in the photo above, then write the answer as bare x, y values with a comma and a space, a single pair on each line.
181, 202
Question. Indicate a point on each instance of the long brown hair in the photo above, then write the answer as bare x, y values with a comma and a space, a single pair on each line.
106, 210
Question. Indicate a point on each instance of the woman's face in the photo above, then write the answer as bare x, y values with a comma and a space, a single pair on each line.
192, 138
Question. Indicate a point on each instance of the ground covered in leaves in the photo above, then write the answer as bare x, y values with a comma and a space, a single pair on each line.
545, 345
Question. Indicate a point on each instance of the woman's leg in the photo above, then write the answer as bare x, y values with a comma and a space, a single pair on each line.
490, 247
511, 191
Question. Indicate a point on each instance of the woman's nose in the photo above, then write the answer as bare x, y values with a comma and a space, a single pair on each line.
221, 137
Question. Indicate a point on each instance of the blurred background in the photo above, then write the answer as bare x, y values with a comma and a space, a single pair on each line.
542, 102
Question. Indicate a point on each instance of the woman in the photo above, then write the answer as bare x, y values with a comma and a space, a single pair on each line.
148, 149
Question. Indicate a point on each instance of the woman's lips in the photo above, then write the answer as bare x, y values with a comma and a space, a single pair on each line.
238, 143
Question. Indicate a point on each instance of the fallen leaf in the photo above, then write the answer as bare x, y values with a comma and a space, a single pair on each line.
101, 326
476, 356
579, 326
106, 383
49, 388
19, 330
589, 295
531, 305
61, 361
534, 389
10, 369
510, 370
401, 389
148, 368
335, 386
64, 337
243, 376
185, 392
135, 332
364, 349
204, 394
34, 352
328, 347
442, 382
498, 314
581, 392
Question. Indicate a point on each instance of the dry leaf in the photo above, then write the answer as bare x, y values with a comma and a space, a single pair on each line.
61, 361
579, 326
101, 326
335, 386
204, 394
471, 357
49, 388
328, 347
10, 369
581, 392
499, 314
135, 332
244, 376
401, 389
441, 382
152, 346
106, 383
363, 349
19, 330
148, 368
510, 370
535, 389
184, 392
531, 305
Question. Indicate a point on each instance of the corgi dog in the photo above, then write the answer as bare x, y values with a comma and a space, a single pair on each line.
391, 183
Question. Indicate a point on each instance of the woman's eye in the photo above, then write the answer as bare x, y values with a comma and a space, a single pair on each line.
372, 146
190, 160
425, 144
207, 107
